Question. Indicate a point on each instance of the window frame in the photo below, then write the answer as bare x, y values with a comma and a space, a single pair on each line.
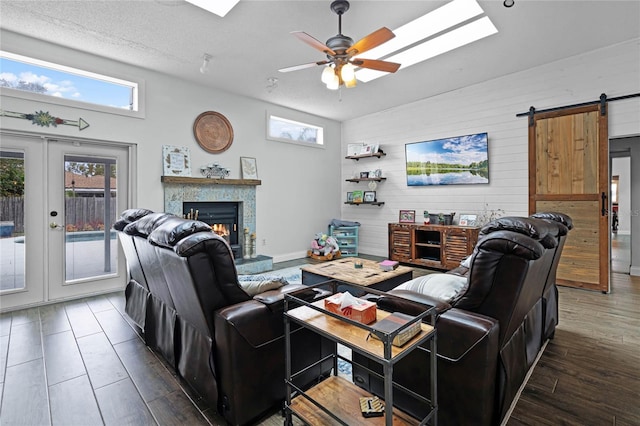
137, 86
320, 129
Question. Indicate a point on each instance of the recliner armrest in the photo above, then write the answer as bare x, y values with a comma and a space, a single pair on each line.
411, 302
460, 331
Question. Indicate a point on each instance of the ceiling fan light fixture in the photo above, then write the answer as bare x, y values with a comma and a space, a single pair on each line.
348, 72
350, 83
334, 84
327, 74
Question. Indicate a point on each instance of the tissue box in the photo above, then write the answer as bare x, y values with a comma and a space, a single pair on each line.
363, 311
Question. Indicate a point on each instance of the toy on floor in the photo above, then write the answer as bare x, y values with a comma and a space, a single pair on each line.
324, 247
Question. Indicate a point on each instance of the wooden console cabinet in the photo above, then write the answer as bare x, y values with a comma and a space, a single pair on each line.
431, 246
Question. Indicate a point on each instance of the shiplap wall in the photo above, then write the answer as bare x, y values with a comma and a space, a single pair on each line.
487, 107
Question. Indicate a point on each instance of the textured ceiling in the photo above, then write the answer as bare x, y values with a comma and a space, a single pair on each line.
252, 42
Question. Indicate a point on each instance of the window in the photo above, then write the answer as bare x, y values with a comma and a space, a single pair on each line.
285, 130
33, 78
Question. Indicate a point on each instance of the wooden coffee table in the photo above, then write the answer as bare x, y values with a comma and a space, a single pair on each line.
370, 275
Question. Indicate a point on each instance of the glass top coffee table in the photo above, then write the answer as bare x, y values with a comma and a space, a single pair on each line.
344, 270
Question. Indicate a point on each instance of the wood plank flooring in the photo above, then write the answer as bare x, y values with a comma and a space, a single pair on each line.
83, 363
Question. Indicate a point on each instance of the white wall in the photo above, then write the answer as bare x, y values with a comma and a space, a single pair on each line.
300, 191
487, 107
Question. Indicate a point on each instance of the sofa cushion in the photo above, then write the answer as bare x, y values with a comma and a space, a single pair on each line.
259, 285
443, 287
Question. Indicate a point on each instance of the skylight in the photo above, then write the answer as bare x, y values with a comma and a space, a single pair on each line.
413, 42
219, 7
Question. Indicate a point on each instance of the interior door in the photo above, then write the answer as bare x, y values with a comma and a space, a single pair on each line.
87, 188
22, 254
568, 173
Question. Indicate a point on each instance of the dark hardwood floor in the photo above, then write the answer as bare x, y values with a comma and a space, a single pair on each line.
82, 363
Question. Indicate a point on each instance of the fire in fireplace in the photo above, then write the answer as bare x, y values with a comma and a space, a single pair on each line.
223, 216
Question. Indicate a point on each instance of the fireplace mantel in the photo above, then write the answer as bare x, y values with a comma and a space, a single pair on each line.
208, 181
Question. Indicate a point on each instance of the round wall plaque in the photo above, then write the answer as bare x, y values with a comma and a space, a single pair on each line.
213, 132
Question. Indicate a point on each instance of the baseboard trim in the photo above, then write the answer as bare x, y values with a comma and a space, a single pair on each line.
635, 271
524, 384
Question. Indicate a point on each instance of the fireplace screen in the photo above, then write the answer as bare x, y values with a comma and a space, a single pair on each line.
222, 216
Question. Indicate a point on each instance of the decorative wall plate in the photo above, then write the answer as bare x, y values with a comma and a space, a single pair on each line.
213, 132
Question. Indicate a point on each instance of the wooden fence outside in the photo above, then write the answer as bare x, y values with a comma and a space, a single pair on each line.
82, 213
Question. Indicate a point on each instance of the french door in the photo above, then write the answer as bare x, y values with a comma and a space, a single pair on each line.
73, 191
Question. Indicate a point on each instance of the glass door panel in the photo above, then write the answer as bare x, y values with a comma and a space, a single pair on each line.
12, 239
91, 248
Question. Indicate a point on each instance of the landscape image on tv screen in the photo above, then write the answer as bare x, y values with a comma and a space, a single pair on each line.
451, 161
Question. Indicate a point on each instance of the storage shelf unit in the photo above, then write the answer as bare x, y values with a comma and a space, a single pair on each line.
327, 408
432, 246
347, 237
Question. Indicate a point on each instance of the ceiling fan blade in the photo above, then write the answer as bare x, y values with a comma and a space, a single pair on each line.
303, 66
315, 43
375, 64
374, 39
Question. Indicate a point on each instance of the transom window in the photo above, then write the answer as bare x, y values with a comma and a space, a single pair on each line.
285, 130
32, 77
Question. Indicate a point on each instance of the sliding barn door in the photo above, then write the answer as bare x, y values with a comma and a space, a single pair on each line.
568, 173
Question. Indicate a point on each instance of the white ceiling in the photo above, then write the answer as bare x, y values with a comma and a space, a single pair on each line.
252, 42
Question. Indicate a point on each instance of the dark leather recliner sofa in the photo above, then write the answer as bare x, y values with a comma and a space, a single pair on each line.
184, 295
489, 337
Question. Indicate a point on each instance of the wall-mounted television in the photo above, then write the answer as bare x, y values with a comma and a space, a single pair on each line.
460, 160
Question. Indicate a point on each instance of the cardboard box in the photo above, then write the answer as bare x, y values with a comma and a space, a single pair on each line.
363, 311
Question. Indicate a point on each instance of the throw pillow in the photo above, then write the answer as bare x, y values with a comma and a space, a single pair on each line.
253, 287
444, 287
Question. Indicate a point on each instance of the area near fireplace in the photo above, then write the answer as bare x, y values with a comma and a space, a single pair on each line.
179, 190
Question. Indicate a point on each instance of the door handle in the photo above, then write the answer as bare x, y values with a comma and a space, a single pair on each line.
604, 204
54, 225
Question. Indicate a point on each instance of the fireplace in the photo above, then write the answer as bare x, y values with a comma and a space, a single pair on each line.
180, 190
222, 216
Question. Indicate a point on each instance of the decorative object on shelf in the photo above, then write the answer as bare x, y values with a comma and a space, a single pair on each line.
247, 244
44, 119
249, 168
393, 322
353, 149
488, 215
468, 219
427, 217
372, 185
357, 196
213, 132
377, 173
176, 160
369, 196
364, 175
407, 216
254, 252
214, 170
349, 197
450, 161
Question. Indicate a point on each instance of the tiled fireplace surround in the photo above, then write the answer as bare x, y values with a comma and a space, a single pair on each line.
178, 190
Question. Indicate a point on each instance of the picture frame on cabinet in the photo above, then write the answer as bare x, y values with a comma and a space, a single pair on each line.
407, 216
369, 196
468, 219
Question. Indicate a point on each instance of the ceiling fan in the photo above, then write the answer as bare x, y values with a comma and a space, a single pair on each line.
341, 52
